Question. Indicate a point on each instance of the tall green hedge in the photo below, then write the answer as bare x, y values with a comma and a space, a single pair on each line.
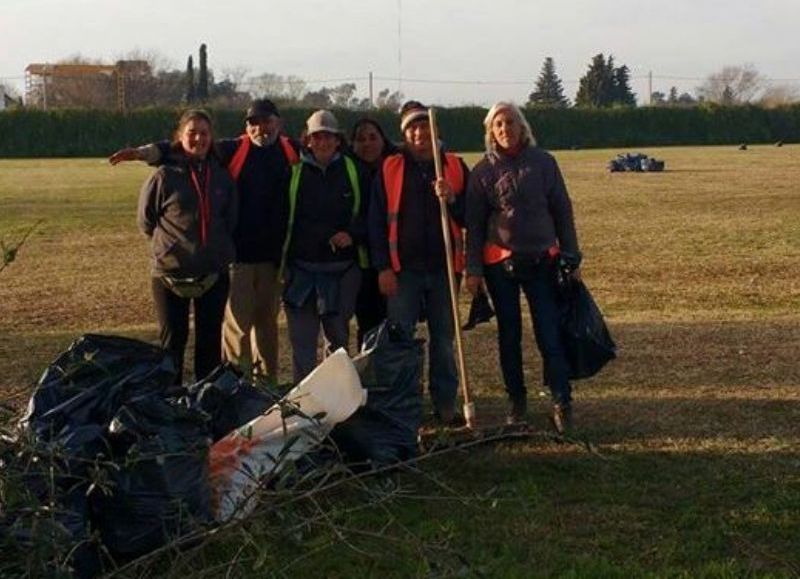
85, 133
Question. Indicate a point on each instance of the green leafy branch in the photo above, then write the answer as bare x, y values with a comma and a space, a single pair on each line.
10, 251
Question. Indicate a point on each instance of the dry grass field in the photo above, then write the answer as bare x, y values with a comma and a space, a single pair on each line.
687, 459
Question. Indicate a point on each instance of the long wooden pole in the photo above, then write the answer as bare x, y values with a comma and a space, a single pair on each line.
469, 407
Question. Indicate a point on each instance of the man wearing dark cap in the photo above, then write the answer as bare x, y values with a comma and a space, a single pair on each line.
407, 247
259, 161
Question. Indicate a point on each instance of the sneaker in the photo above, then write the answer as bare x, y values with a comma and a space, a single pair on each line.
562, 418
517, 411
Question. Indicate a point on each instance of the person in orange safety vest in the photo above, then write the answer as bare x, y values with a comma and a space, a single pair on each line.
407, 247
259, 162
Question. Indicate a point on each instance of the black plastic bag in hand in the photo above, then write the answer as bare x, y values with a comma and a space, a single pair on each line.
480, 311
587, 341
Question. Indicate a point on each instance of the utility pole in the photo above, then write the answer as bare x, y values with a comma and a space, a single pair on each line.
650, 88
399, 45
44, 87
371, 94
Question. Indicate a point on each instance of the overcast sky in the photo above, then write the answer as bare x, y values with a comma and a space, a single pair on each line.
492, 49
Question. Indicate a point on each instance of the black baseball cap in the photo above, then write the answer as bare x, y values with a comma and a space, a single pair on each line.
261, 108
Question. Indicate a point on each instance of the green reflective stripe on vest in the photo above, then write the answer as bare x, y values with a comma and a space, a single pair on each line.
294, 187
352, 173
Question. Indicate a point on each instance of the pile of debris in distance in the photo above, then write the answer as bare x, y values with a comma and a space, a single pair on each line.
635, 162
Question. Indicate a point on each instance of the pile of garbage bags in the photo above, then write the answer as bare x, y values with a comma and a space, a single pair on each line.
109, 448
635, 162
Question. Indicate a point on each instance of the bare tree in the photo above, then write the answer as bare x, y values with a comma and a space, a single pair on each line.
779, 95
10, 97
344, 95
733, 85
389, 100
276, 87
157, 61
268, 85
295, 87
318, 99
235, 75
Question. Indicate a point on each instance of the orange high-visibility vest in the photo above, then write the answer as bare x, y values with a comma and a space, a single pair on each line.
393, 167
237, 161
493, 253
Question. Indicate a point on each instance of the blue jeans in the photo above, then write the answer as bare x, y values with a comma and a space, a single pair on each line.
541, 292
404, 308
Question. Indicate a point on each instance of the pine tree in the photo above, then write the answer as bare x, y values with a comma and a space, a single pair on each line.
190, 92
673, 95
605, 85
595, 86
202, 76
549, 90
622, 93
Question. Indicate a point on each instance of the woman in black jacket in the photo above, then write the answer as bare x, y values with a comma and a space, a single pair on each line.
188, 210
323, 244
520, 227
370, 146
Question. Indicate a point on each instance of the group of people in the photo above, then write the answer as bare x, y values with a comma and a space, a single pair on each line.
335, 227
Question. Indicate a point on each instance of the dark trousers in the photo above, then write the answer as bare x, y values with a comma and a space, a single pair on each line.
541, 292
304, 325
404, 308
172, 312
370, 304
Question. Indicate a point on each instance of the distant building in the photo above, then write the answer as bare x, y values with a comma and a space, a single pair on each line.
78, 85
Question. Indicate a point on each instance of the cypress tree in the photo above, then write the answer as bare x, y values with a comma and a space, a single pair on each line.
549, 91
190, 91
202, 76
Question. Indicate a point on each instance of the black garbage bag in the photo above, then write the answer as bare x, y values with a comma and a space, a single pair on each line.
635, 162
480, 311
229, 400
161, 490
44, 515
587, 342
384, 431
91, 380
103, 445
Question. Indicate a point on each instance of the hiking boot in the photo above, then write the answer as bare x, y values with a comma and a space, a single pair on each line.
449, 417
562, 418
517, 411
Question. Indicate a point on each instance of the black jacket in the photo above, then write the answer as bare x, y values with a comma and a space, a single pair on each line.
263, 206
324, 207
169, 215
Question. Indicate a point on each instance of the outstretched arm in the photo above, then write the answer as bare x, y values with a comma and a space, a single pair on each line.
150, 154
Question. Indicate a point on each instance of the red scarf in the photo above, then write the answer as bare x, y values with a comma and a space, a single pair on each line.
204, 200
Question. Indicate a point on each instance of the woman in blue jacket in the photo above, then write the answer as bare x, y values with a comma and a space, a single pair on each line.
520, 227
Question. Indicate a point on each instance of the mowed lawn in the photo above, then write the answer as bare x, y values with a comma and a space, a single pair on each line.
687, 458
